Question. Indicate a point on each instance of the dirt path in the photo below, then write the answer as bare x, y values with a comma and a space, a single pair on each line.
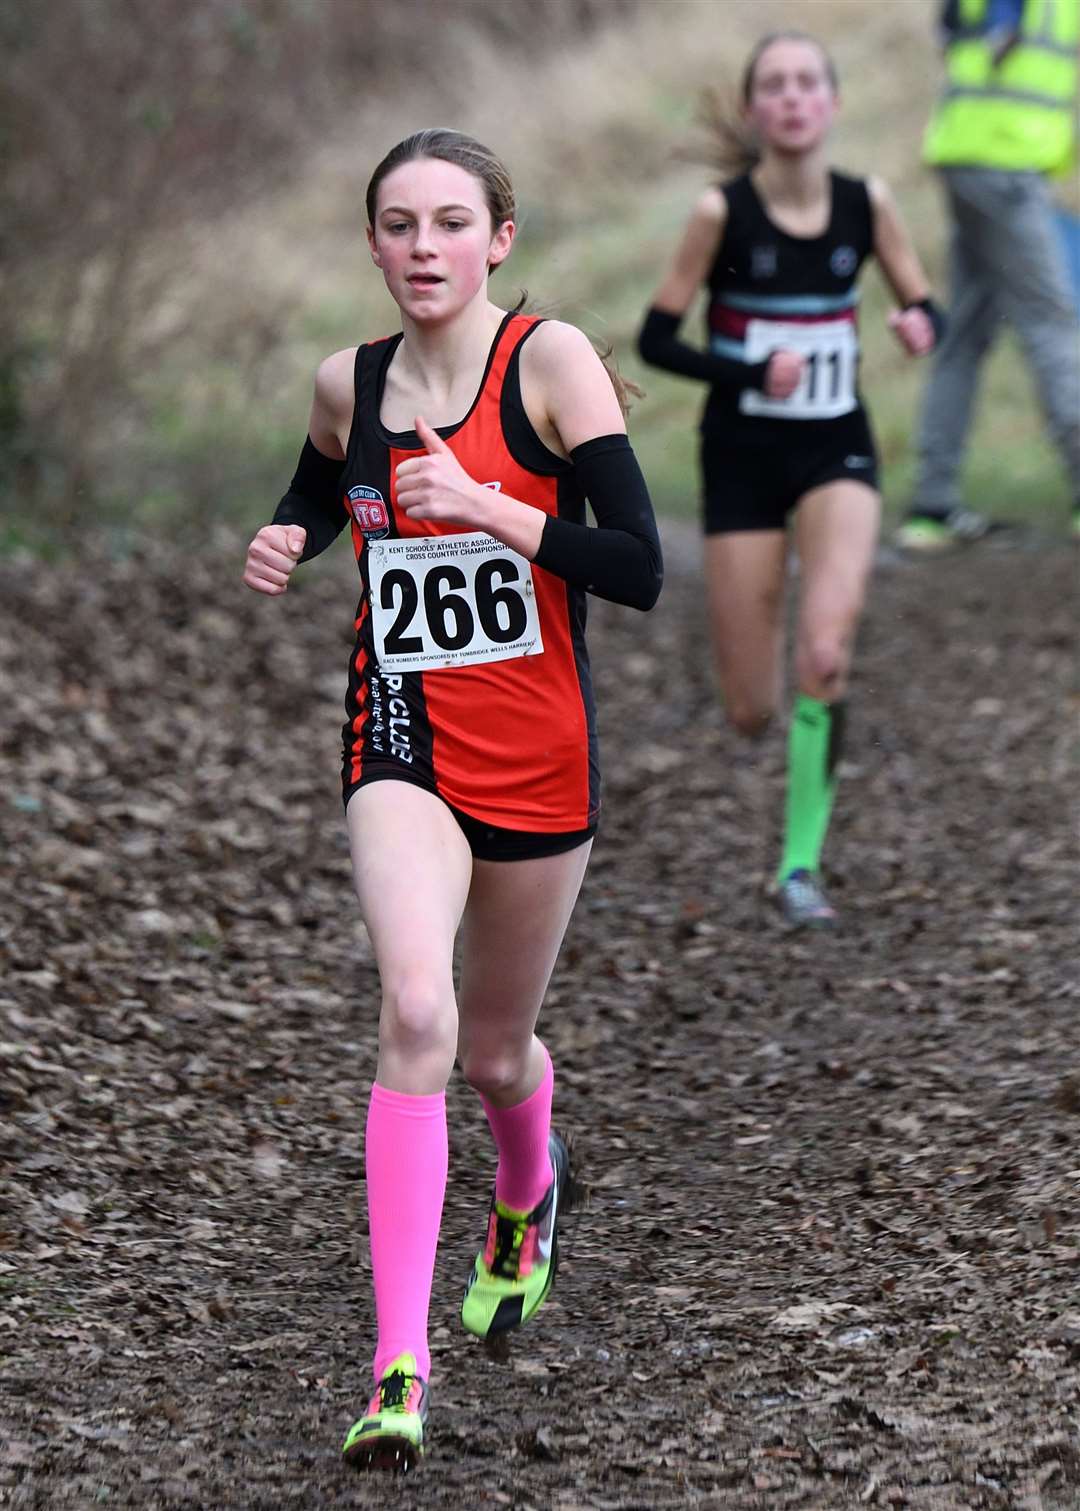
832, 1256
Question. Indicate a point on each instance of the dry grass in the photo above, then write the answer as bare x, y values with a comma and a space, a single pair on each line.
597, 135
596, 138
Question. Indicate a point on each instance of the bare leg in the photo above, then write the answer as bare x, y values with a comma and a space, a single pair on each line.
744, 576
412, 869
836, 531
513, 928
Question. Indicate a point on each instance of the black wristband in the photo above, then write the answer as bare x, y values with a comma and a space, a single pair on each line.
934, 313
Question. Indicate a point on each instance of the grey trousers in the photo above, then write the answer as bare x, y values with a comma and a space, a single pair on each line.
1006, 263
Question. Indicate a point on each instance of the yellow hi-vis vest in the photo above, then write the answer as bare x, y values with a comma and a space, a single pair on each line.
1021, 115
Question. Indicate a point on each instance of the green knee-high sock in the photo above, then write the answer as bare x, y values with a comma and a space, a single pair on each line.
813, 751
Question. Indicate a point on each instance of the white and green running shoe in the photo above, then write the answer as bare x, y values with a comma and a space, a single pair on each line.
803, 902
933, 533
513, 1275
391, 1436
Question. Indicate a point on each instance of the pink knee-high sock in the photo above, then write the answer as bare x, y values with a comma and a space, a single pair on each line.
405, 1157
521, 1137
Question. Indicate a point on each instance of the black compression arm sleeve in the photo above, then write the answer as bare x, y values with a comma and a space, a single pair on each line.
313, 500
620, 559
659, 344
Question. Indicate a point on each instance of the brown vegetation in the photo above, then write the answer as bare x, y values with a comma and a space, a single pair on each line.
183, 242
831, 1256
130, 128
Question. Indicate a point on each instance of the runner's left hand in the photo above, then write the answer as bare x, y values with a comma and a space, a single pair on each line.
437, 486
913, 330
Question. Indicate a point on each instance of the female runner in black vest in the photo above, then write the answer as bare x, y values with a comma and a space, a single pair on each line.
784, 433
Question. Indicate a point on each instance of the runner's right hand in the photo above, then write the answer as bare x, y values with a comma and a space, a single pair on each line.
783, 373
271, 557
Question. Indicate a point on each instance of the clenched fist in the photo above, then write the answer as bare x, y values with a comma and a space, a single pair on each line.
914, 330
271, 557
783, 373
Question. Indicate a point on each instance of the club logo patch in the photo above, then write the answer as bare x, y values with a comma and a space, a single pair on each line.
369, 510
843, 261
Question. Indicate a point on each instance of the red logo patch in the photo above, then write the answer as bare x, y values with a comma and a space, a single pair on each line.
369, 510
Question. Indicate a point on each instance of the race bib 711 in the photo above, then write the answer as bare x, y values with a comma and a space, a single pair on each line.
827, 386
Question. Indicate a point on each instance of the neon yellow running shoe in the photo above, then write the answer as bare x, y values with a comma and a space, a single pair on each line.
512, 1276
933, 533
391, 1436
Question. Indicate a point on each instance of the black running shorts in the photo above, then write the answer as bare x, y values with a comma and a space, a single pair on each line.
755, 484
489, 841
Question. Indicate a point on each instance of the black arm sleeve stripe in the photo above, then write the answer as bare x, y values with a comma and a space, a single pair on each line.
313, 500
620, 559
659, 345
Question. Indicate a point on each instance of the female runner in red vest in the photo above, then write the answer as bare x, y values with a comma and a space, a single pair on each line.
461, 452
784, 436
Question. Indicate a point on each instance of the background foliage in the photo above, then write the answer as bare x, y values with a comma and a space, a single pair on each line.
183, 238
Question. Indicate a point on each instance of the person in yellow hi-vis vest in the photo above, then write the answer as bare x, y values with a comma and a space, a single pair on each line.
1006, 122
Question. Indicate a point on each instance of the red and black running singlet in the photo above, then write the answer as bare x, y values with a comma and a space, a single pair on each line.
470, 675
